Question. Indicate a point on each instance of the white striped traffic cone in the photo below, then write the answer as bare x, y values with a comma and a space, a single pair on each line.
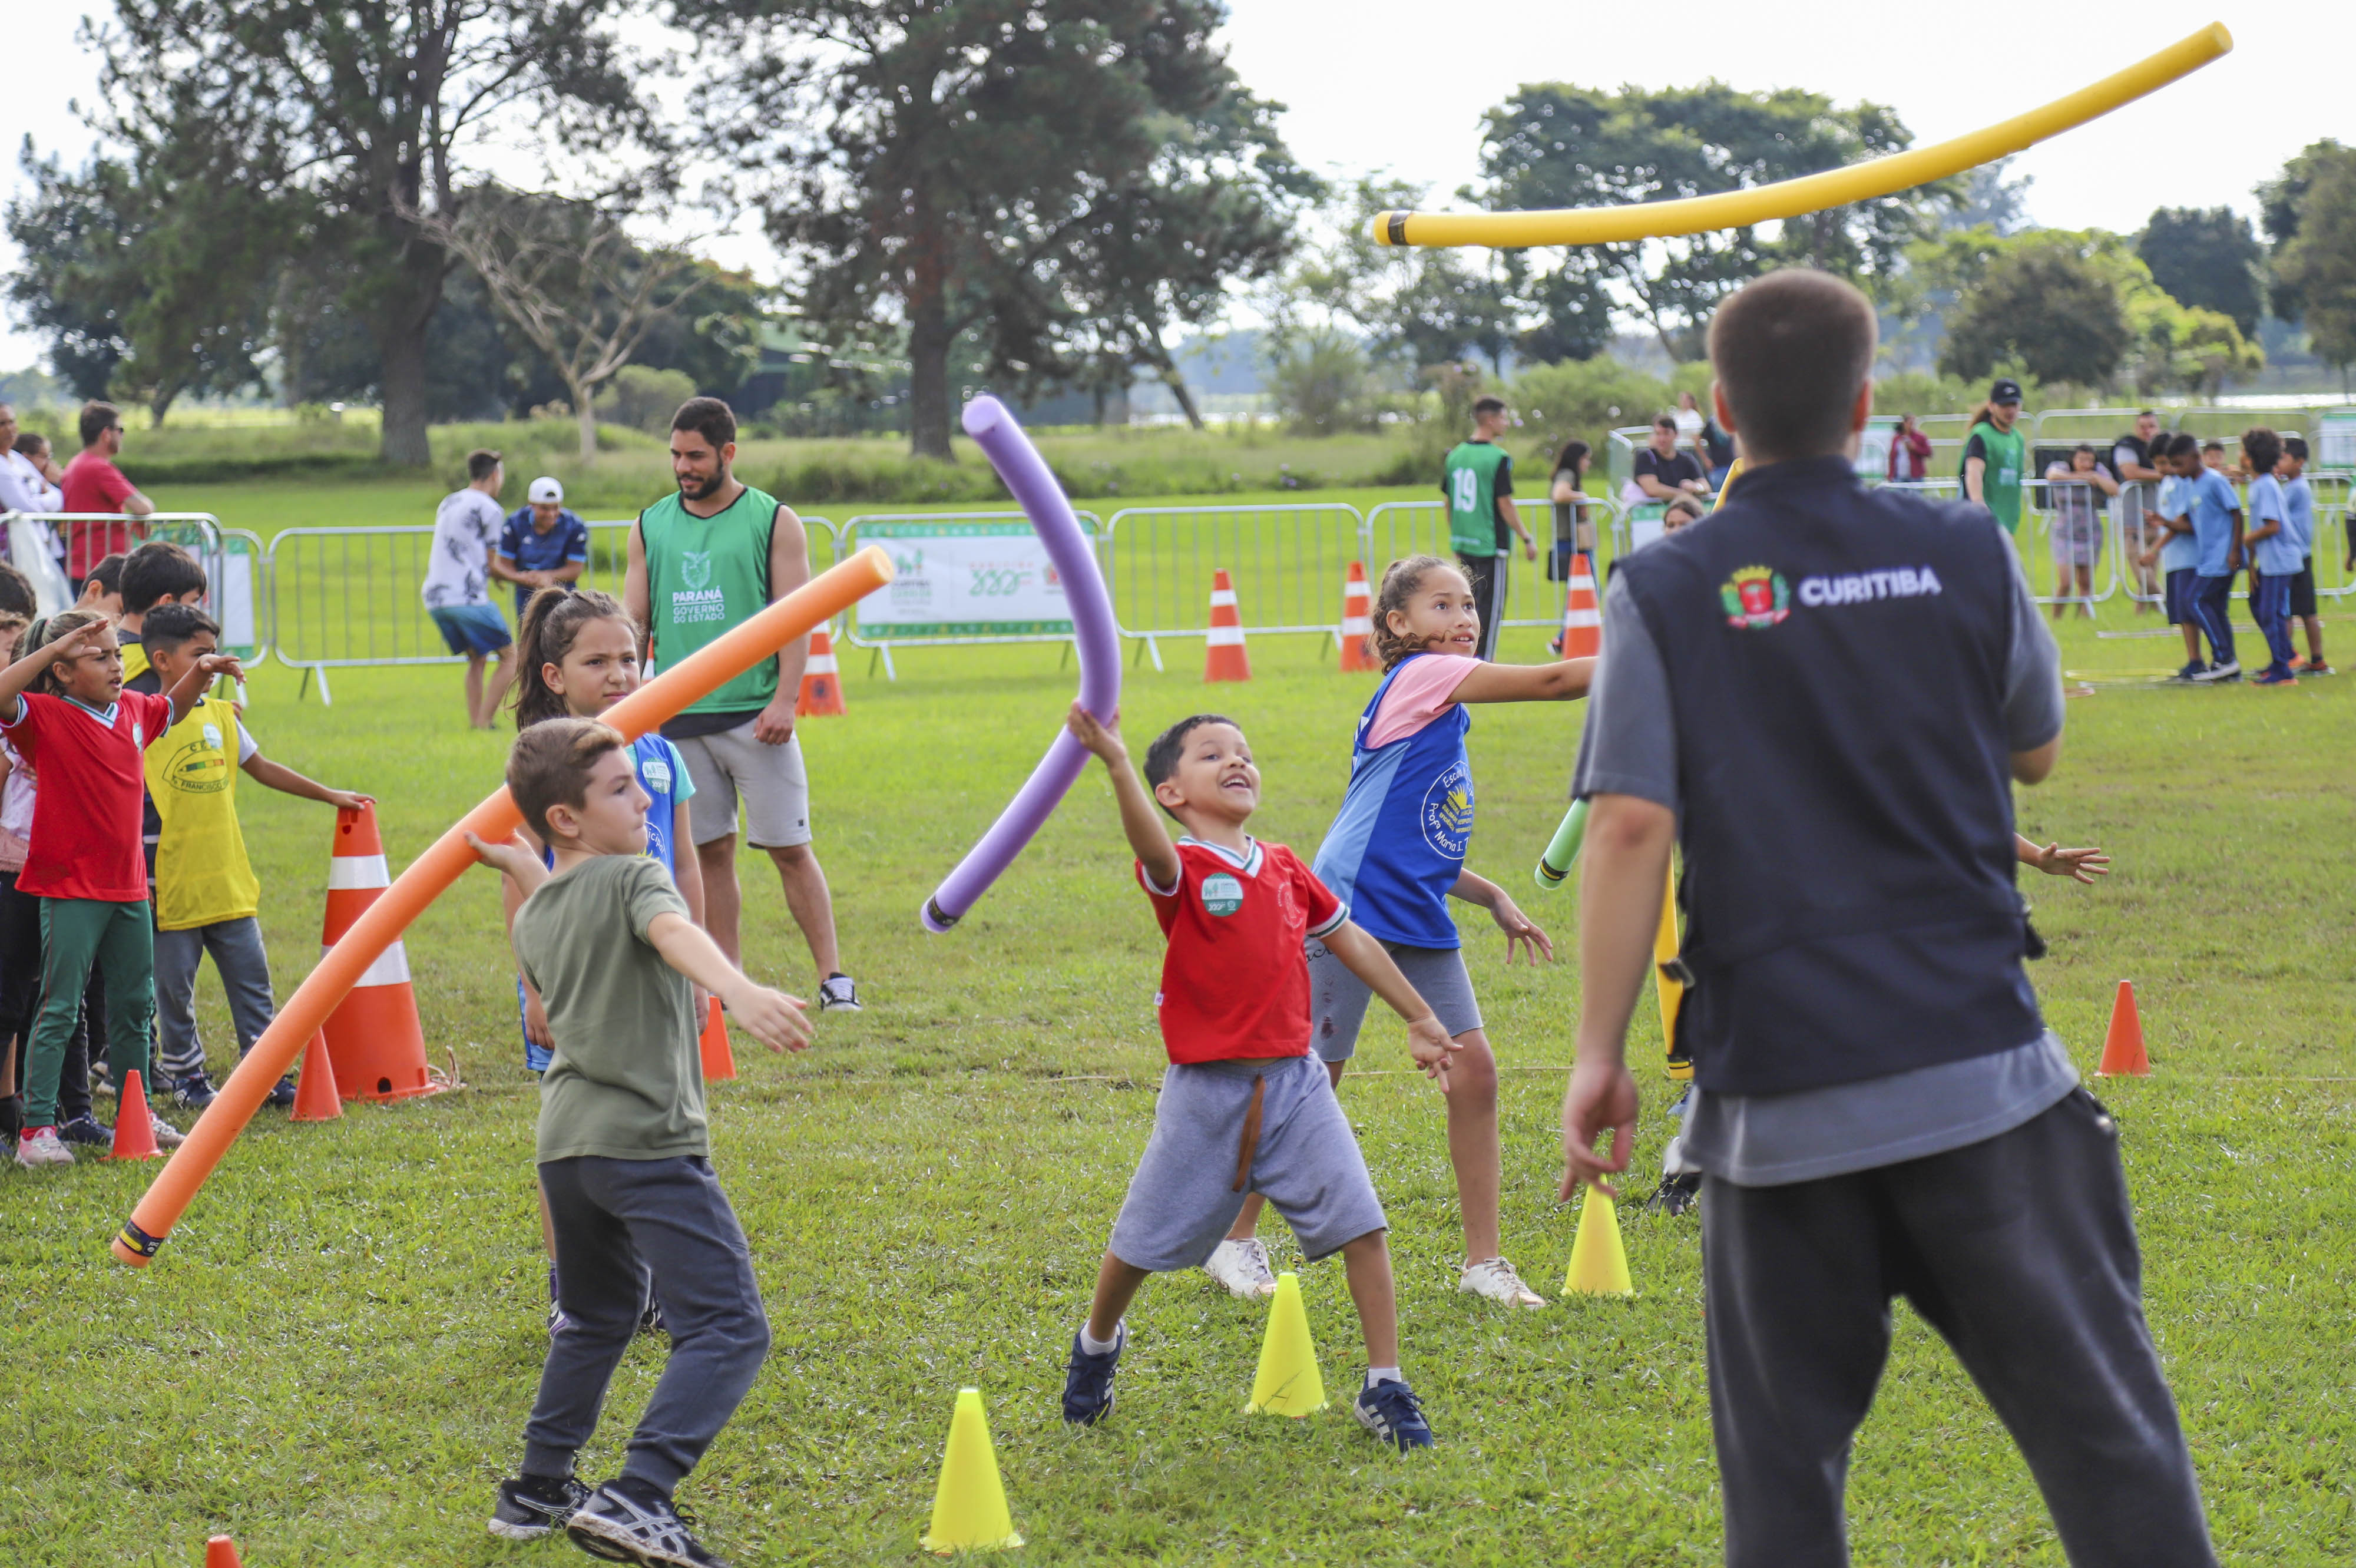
1582, 621
822, 692
374, 1041
1358, 621
1224, 658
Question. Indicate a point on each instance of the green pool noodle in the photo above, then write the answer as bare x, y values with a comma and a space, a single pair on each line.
1554, 865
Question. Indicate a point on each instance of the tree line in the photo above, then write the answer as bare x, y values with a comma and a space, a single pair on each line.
1040, 196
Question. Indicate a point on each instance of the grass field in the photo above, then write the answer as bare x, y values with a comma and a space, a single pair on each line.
333, 1356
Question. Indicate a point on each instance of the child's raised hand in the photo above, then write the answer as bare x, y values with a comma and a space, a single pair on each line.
74, 644
775, 1019
1428, 1041
1521, 931
348, 800
2078, 864
1102, 739
213, 664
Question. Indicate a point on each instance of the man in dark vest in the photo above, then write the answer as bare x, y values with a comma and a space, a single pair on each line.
1824, 693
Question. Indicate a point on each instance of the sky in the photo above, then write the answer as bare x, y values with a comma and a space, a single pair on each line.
1383, 84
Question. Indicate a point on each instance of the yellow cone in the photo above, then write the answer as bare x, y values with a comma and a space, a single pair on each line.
1599, 1264
969, 1506
1288, 1382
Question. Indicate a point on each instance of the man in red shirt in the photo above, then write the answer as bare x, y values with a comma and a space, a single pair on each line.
93, 484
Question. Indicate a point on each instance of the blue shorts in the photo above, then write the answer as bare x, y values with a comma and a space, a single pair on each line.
471, 629
2180, 595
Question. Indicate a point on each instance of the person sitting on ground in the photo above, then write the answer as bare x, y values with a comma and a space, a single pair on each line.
1244, 1108
544, 544
456, 589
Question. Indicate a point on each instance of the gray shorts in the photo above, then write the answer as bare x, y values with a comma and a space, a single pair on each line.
1182, 1198
1337, 998
771, 779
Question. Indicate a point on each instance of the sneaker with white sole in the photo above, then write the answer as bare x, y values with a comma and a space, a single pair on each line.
1087, 1378
614, 1526
38, 1146
838, 993
530, 1506
167, 1135
1493, 1278
1391, 1411
1241, 1268
2229, 671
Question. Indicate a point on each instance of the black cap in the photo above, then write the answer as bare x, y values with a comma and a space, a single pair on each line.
2006, 390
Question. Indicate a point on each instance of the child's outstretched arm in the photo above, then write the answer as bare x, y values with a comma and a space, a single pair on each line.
775, 1018
286, 781
2079, 865
1520, 929
18, 678
1363, 956
196, 678
1147, 837
1557, 683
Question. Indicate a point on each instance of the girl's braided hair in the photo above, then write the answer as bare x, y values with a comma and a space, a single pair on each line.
552, 621
1401, 578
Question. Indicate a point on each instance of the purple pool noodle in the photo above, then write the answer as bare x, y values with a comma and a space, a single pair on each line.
1043, 501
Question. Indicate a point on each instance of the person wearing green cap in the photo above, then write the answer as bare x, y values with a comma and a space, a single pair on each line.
1996, 454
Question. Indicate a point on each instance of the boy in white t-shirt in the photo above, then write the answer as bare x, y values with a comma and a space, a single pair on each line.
457, 587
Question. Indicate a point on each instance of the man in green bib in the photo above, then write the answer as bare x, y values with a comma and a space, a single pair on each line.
1478, 482
1995, 455
702, 561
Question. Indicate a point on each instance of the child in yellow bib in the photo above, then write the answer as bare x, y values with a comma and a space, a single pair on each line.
207, 897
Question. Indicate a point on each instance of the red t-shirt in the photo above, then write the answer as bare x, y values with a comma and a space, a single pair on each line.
86, 818
1234, 982
93, 483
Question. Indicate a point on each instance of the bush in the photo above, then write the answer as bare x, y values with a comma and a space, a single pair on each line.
645, 399
1321, 382
1586, 399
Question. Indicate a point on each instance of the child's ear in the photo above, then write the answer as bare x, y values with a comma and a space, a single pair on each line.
552, 676
1169, 794
563, 823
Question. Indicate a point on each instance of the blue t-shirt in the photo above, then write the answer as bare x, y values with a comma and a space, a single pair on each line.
527, 549
2298, 515
662, 774
2178, 552
2213, 504
2277, 554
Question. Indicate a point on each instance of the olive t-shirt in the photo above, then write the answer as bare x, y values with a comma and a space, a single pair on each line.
627, 1082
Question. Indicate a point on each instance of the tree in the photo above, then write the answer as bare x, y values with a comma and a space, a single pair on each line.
1413, 306
1063, 179
2041, 305
2206, 258
2318, 260
1555, 144
2280, 201
373, 111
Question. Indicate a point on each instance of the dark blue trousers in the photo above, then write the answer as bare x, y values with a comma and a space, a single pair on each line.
2270, 605
2212, 605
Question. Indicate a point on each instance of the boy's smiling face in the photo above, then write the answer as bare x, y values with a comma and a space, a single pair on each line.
1215, 777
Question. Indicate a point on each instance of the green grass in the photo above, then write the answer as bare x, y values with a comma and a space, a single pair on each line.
333, 1358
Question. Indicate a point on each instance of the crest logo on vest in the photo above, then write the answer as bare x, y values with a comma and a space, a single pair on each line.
656, 773
1222, 894
1447, 814
199, 767
695, 568
1755, 597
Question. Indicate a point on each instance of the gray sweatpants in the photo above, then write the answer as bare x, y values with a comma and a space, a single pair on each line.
2020, 1251
613, 1221
243, 965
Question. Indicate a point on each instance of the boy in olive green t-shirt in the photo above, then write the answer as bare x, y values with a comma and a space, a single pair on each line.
623, 1150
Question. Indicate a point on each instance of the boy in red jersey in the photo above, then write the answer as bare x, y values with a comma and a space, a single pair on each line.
1244, 1106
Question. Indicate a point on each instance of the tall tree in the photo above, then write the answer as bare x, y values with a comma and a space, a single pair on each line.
2318, 260
2206, 258
1411, 306
954, 164
2281, 202
2044, 306
1555, 144
375, 111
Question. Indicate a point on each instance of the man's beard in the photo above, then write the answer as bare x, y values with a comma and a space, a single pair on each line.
704, 490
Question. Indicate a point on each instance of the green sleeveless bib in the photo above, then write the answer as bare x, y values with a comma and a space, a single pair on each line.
1470, 482
704, 575
2007, 455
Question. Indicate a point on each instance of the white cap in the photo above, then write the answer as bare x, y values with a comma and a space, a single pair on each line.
544, 489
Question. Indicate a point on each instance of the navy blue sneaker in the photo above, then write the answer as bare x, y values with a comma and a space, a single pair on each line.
87, 1131
2189, 671
1087, 1381
1391, 1411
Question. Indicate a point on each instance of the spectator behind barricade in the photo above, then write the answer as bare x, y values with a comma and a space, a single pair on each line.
157, 572
1691, 422
2299, 522
28, 483
2079, 511
1574, 525
544, 544
1682, 512
20, 925
2213, 456
103, 589
2139, 458
1910, 453
1662, 470
207, 897
456, 590
1995, 455
93, 484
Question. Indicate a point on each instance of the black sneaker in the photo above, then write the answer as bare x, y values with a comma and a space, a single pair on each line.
196, 1091
838, 993
86, 1130
650, 1318
1391, 1411
1676, 1195
619, 1528
282, 1093
1087, 1381
531, 1506
2191, 671
2216, 673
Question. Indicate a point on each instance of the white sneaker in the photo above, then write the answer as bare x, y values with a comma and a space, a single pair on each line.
1494, 1280
1242, 1268
42, 1147
839, 994
167, 1135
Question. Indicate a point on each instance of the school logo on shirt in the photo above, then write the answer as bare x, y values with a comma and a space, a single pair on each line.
656, 773
199, 767
695, 568
1222, 894
1755, 597
1447, 811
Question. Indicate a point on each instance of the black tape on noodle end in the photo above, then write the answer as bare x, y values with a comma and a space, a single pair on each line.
932, 912
1395, 224
138, 1240
1554, 877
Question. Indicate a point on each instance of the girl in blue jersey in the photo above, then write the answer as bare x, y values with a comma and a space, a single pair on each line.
1395, 856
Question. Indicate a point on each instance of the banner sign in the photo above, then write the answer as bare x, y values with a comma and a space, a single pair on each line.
964, 579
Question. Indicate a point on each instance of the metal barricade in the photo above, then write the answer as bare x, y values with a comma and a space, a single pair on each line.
1397, 529
85, 538
2041, 506
239, 581
1287, 561
879, 641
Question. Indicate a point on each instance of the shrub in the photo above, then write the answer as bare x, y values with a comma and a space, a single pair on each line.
645, 399
1586, 399
1320, 382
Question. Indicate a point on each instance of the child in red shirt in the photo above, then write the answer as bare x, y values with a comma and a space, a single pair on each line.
85, 863
1244, 1107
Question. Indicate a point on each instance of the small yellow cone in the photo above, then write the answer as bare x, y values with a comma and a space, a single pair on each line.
969, 1506
1599, 1264
1288, 1382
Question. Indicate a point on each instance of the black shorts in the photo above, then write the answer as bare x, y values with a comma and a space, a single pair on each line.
2178, 595
2302, 587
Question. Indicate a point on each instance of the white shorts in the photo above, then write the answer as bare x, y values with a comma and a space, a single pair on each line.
771, 779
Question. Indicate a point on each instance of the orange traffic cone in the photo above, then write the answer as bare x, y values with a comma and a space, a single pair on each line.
1224, 658
374, 1041
821, 693
135, 1130
315, 1098
220, 1552
1357, 622
2123, 1053
719, 1061
1582, 622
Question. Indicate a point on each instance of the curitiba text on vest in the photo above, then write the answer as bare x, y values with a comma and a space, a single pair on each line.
1858, 587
